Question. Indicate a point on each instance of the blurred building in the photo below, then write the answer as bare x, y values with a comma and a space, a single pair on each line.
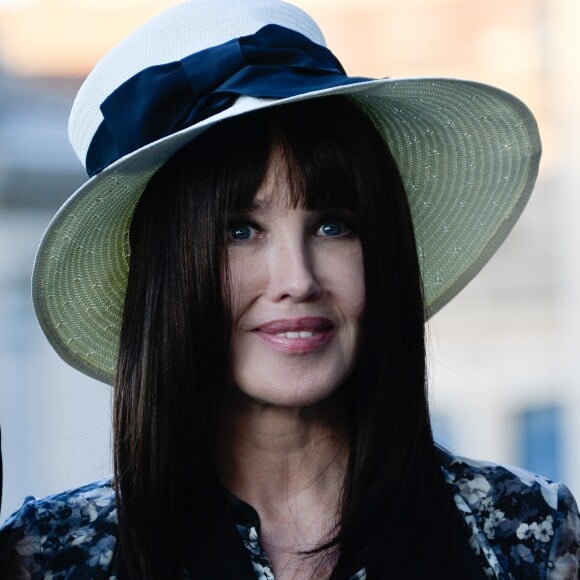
505, 382
506, 379
55, 422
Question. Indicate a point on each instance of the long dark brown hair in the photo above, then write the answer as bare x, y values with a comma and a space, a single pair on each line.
175, 343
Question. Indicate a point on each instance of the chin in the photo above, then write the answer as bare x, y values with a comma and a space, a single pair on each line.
288, 392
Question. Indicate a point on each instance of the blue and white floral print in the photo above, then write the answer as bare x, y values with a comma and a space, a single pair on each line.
523, 527
259, 558
69, 535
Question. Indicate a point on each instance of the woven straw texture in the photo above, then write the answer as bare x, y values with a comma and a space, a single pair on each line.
468, 154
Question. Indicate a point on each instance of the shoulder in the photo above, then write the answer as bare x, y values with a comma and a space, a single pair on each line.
525, 525
70, 533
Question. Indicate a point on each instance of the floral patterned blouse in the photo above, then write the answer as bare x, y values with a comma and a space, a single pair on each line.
522, 527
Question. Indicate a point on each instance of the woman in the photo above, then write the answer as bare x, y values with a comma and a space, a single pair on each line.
283, 222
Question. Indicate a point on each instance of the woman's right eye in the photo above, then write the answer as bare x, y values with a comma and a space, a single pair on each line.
241, 232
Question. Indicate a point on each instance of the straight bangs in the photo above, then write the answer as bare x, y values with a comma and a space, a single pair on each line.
317, 147
317, 144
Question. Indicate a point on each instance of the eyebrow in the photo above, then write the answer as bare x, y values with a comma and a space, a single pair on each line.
257, 204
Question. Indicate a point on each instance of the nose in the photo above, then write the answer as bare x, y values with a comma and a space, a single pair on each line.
293, 272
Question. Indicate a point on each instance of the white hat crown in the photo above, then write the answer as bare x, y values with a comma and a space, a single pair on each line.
193, 26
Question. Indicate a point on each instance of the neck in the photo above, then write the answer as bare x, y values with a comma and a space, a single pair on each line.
270, 456
289, 464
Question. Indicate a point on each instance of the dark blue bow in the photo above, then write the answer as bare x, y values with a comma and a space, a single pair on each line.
275, 62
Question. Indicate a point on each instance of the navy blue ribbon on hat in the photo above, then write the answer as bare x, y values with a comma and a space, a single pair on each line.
275, 62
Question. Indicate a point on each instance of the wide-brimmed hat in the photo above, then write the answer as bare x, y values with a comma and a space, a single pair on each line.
468, 153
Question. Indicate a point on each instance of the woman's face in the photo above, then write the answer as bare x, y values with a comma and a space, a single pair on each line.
298, 295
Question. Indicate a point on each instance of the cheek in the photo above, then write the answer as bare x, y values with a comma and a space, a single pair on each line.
343, 274
356, 288
244, 276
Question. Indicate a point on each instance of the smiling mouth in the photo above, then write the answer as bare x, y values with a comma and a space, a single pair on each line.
299, 335
304, 327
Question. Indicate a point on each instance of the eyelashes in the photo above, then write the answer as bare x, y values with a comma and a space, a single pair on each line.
335, 228
243, 229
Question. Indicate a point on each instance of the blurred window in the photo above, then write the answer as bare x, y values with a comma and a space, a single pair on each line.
442, 430
16, 317
540, 436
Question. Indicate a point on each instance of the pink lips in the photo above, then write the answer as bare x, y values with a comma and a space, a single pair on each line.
296, 335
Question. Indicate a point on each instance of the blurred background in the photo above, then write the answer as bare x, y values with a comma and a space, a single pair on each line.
504, 369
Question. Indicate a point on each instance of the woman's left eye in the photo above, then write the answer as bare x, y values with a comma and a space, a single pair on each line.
241, 232
333, 229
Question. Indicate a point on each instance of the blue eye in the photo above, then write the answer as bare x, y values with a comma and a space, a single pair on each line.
241, 232
333, 229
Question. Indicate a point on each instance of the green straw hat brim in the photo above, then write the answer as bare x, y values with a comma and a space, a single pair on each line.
468, 154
